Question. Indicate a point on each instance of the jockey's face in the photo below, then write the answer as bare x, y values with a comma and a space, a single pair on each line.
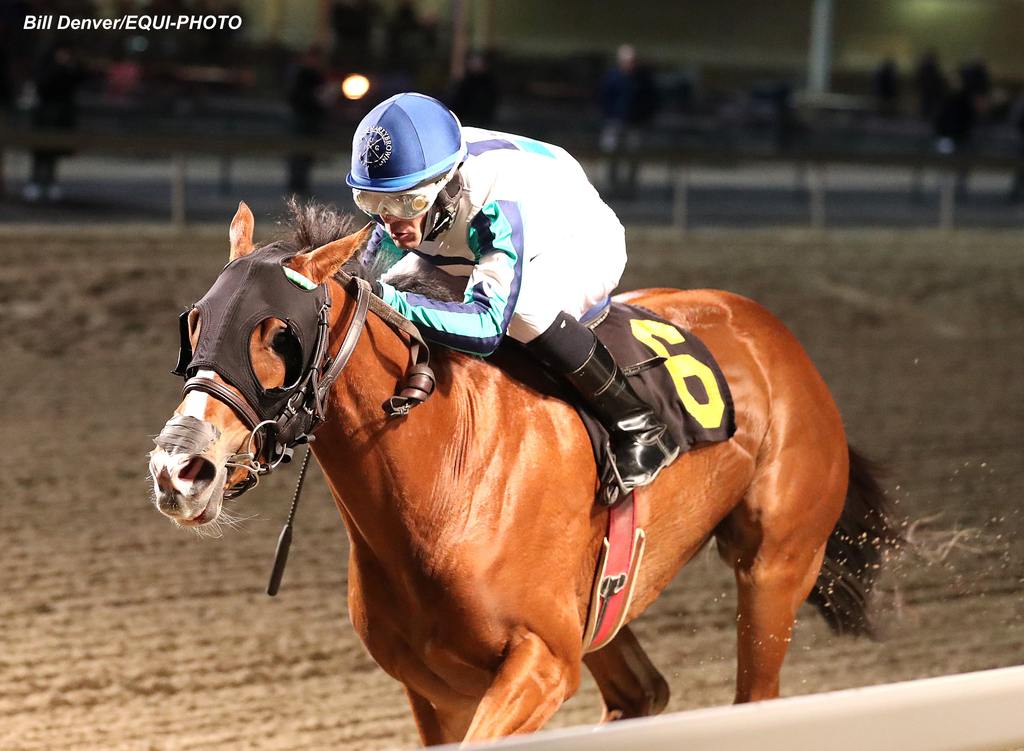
407, 233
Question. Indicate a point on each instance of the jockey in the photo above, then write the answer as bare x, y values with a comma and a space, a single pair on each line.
517, 225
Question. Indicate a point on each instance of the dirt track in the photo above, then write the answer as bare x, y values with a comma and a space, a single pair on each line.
122, 632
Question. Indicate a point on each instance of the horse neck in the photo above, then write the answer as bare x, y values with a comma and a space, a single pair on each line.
382, 471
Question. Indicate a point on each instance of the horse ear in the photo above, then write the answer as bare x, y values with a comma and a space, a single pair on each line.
324, 262
240, 233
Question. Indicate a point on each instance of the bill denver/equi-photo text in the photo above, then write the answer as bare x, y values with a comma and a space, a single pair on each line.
134, 22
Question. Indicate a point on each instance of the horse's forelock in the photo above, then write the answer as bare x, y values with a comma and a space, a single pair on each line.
309, 225
313, 224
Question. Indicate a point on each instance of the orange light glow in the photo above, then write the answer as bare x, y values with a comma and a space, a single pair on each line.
355, 86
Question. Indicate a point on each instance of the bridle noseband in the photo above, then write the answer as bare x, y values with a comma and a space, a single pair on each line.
272, 438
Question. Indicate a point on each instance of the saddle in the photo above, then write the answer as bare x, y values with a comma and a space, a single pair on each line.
673, 372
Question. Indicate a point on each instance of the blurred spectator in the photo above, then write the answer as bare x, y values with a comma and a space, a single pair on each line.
1017, 120
959, 113
975, 79
124, 76
629, 101
954, 126
773, 101
217, 45
13, 44
429, 32
352, 23
955, 121
932, 86
407, 37
307, 97
57, 80
475, 96
886, 86
13, 40
6, 84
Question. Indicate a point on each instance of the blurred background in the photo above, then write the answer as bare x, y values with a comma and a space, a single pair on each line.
821, 112
856, 166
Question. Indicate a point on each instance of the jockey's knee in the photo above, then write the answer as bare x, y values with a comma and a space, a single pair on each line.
565, 344
526, 326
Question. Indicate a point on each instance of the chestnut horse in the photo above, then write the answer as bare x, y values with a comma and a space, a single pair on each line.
473, 528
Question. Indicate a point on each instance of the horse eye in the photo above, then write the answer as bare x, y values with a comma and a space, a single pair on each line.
281, 341
286, 346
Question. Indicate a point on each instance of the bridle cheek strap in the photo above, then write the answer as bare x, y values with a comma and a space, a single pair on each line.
348, 345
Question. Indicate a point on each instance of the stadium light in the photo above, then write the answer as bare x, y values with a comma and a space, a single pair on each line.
355, 86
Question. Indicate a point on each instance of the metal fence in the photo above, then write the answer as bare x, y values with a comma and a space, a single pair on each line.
676, 163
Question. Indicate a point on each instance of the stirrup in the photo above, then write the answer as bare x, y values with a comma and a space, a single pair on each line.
613, 489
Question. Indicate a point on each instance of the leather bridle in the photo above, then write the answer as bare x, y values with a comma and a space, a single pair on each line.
271, 442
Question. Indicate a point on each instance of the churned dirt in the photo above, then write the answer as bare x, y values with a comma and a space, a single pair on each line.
120, 631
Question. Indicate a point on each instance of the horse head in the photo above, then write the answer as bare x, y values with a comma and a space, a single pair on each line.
250, 348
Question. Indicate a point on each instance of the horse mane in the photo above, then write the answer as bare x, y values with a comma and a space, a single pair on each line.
310, 224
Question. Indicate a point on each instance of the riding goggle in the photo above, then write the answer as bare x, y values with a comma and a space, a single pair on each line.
408, 204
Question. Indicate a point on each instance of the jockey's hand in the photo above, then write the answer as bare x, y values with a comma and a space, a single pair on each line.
377, 288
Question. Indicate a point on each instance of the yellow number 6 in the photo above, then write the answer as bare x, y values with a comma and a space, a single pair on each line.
652, 334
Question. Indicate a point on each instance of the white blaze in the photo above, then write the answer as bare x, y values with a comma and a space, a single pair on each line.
196, 401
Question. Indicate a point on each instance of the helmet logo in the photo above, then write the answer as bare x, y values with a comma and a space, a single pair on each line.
375, 147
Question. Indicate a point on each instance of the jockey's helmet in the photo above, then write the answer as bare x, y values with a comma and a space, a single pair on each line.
406, 141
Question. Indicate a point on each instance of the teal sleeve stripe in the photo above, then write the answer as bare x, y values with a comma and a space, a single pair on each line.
534, 147
477, 324
474, 320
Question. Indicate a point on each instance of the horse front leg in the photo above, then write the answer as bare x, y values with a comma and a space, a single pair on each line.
437, 725
529, 687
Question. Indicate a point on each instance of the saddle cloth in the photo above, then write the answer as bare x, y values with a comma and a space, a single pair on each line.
669, 368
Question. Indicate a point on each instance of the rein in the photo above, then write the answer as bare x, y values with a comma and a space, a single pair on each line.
275, 439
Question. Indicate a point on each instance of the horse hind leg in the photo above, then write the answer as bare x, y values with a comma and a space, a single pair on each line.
629, 683
775, 540
769, 594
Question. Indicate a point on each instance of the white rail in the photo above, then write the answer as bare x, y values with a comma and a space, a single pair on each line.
967, 712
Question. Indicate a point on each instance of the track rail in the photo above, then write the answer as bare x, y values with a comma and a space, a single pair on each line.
966, 712
814, 163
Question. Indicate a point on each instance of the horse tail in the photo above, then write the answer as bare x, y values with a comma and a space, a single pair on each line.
856, 550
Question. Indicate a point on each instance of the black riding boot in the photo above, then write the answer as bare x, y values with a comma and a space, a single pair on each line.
640, 442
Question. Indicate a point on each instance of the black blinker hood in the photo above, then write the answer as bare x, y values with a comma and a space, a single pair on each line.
248, 291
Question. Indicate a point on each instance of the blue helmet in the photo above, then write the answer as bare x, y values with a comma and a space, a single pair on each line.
404, 141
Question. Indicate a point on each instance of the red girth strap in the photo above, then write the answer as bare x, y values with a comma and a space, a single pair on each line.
617, 569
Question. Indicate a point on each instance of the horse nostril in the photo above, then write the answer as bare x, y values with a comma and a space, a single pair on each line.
198, 471
164, 482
